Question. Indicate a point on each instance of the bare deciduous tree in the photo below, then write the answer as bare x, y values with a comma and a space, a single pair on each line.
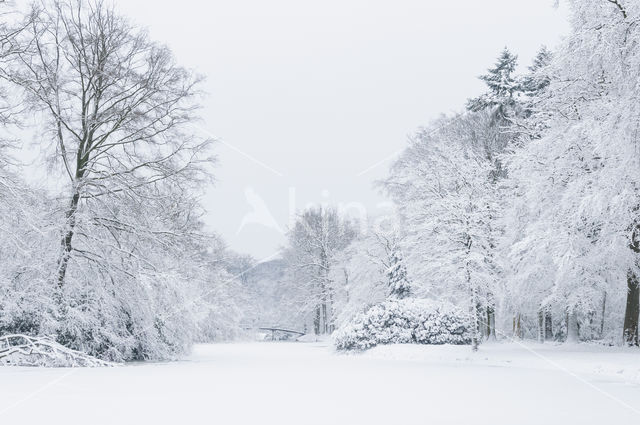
116, 106
314, 242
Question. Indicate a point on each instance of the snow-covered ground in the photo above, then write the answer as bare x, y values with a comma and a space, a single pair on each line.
307, 383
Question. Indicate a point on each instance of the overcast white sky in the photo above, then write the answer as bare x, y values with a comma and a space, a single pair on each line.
316, 92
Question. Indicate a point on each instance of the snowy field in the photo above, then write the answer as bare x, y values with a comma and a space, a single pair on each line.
307, 383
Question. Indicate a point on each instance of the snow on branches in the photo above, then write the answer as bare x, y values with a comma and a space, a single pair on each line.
24, 350
407, 321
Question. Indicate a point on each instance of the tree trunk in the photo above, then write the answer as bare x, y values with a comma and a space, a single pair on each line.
572, 327
548, 326
491, 323
316, 321
63, 262
81, 162
630, 329
330, 327
324, 317
517, 330
473, 299
604, 305
541, 333
474, 317
325, 289
487, 322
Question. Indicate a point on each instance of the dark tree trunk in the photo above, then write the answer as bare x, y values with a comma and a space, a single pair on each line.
548, 325
316, 321
81, 162
630, 327
324, 317
473, 313
488, 323
63, 263
630, 333
604, 306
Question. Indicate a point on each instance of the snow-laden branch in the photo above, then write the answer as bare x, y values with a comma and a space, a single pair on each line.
24, 350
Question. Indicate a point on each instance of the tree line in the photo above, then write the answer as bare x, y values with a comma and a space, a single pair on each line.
523, 208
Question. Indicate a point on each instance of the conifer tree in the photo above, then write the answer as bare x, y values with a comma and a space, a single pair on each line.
537, 80
399, 285
502, 86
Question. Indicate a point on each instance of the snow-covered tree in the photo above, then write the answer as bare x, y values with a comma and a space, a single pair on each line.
314, 242
537, 79
119, 275
115, 106
395, 267
443, 187
502, 84
373, 268
578, 179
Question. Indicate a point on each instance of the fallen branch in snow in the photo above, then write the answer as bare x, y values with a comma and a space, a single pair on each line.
24, 350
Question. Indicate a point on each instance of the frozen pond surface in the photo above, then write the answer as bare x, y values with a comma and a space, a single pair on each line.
307, 383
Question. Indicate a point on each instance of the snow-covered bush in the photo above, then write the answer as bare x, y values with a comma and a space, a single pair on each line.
411, 320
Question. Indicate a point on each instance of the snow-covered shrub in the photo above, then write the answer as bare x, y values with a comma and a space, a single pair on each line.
411, 320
